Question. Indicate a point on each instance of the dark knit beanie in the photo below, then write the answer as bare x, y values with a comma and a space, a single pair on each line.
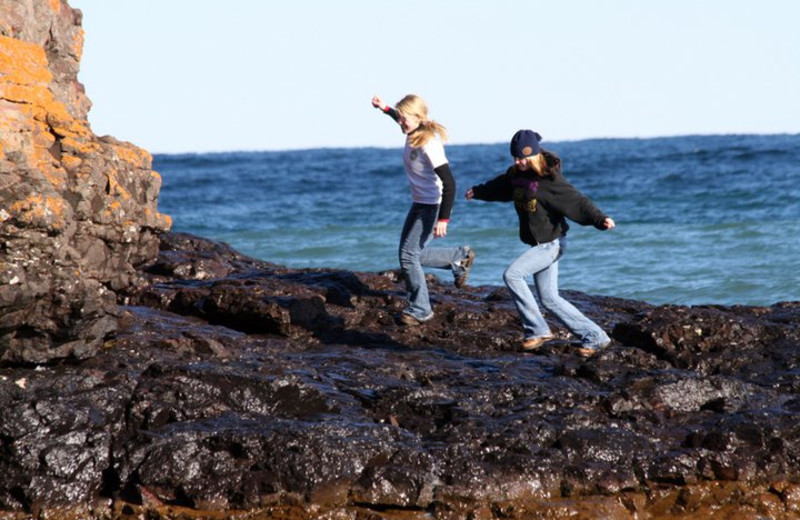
525, 143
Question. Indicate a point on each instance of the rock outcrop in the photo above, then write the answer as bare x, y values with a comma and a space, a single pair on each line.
78, 213
240, 388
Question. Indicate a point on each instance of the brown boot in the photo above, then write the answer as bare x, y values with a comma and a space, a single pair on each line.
535, 343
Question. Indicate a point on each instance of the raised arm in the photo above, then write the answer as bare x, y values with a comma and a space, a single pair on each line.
378, 103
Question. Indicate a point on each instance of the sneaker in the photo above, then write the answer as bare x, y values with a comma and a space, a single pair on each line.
413, 321
535, 343
466, 264
587, 352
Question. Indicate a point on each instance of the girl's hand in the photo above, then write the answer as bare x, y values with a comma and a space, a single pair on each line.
609, 223
469, 194
377, 102
440, 230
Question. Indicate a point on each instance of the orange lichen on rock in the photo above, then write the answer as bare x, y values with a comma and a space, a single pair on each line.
78, 146
71, 162
35, 125
23, 62
157, 220
73, 201
114, 212
115, 187
25, 79
40, 211
133, 155
77, 44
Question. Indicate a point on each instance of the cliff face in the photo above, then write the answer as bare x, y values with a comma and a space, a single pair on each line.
78, 212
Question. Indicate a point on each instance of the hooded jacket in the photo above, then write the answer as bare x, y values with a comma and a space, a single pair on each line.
543, 202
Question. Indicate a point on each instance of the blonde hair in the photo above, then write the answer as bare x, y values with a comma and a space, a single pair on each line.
543, 163
413, 105
537, 163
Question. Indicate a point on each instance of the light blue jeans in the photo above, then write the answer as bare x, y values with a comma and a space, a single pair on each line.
542, 262
417, 232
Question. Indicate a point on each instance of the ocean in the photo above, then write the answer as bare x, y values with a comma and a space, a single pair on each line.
700, 219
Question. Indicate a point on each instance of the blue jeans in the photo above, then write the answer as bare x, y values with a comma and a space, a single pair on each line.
417, 232
542, 262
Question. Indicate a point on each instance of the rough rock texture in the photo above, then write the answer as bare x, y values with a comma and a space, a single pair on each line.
77, 212
239, 388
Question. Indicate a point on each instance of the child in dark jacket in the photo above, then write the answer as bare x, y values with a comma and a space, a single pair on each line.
544, 200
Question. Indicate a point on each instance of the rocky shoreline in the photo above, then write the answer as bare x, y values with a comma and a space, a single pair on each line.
239, 388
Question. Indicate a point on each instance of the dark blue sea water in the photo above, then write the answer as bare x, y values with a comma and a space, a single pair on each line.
700, 219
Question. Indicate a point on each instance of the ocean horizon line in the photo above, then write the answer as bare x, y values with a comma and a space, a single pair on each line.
495, 143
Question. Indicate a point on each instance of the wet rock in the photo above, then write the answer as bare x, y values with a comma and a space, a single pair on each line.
56, 431
297, 392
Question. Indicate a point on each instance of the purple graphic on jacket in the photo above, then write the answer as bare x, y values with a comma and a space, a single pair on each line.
527, 184
525, 193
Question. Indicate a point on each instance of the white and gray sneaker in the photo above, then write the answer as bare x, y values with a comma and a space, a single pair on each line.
466, 265
413, 321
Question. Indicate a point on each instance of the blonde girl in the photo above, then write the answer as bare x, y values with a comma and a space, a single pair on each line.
432, 192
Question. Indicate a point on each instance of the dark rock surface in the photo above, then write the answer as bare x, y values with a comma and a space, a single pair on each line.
240, 385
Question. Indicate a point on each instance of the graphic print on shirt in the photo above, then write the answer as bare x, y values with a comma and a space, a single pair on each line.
525, 194
426, 186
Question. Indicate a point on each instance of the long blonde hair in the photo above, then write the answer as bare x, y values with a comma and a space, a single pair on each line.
544, 163
413, 105
538, 163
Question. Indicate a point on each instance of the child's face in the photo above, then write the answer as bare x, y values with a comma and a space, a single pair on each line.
408, 122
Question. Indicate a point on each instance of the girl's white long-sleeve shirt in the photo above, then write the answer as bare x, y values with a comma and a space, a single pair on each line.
420, 163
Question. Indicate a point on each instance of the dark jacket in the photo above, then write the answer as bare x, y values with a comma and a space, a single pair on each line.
542, 202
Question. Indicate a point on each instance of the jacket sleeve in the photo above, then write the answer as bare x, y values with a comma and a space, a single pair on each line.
574, 205
496, 190
448, 190
391, 112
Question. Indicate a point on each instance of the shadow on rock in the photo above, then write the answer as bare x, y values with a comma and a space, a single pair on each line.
235, 384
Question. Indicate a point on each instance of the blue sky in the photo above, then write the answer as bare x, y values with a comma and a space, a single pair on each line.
179, 76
